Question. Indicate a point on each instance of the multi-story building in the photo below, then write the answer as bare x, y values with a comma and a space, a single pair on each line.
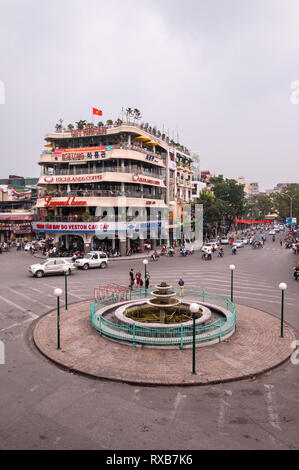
17, 198
110, 187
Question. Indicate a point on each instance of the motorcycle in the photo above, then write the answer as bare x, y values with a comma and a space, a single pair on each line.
220, 254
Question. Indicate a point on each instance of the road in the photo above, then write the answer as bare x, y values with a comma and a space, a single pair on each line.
44, 407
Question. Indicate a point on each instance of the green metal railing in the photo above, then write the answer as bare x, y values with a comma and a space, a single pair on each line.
165, 336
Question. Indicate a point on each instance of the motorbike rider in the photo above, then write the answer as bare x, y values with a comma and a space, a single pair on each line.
155, 255
221, 252
234, 250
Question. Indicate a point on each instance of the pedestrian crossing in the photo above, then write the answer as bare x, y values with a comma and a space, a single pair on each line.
20, 304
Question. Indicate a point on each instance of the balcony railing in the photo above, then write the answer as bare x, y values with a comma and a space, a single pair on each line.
102, 193
105, 169
137, 148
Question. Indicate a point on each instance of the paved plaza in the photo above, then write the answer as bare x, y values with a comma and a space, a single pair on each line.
255, 347
45, 406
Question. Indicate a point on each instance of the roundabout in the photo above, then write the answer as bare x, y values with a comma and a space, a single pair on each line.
250, 346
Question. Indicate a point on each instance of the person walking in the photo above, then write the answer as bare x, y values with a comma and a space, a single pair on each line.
138, 277
181, 284
147, 280
131, 275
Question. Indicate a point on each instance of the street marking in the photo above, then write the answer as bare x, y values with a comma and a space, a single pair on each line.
28, 298
16, 324
271, 407
176, 405
224, 406
13, 304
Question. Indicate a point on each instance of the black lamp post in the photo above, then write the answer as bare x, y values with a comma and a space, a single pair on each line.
282, 287
58, 293
232, 268
194, 308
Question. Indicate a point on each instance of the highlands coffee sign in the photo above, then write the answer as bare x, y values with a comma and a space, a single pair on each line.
70, 179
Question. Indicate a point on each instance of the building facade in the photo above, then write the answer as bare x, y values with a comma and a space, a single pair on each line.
18, 195
110, 188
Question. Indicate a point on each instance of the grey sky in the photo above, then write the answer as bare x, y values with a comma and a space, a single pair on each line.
218, 72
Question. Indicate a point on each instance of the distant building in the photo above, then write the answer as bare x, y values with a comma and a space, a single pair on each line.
18, 195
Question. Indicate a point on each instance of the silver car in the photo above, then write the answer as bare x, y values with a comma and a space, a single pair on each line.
51, 266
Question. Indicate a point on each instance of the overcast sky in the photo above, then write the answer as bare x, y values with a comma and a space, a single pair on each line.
217, 72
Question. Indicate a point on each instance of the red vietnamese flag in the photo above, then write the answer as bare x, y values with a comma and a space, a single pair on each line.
97, 111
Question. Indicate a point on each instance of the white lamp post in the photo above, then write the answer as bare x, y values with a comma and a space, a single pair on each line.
282, 287
194, 308
58, 293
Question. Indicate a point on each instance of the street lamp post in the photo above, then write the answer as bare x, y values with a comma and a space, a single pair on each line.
145, 262
58, 293
232, 268
66, 272
282, 287
194, 308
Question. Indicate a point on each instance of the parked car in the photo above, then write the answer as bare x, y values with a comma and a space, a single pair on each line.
224, 241
94, 259
238, 243
51, 266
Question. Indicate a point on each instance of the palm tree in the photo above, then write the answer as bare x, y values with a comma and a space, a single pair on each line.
70, 127
129, 112
118, 122
81, 124
59, 126
137, 114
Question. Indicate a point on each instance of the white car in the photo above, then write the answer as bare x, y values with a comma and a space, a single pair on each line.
238, 243
245, 241
94, 259
224, 241
51, 266
272, 232
207, 247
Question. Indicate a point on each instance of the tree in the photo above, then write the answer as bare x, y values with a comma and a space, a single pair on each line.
285, 200
137, 114
109, 122
232, 193
70, 127
58, 126
100, 124
118, 122
81, 124
129, 113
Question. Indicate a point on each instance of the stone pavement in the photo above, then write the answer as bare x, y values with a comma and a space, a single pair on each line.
255, 347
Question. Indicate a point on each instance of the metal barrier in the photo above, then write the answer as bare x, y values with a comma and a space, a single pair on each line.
166, 336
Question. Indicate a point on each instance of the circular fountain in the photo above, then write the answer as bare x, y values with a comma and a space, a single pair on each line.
163, 319
163, 299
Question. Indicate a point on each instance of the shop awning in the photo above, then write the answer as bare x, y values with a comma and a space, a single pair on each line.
141, 137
